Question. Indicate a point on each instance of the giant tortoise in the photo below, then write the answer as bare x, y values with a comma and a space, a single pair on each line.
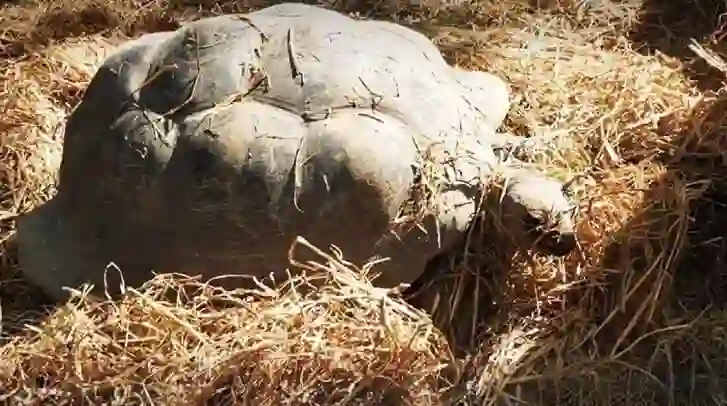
208, 149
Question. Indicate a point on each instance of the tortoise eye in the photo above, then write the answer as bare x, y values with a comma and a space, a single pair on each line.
567, 191
532, 222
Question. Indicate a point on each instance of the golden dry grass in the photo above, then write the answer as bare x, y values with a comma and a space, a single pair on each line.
636, 317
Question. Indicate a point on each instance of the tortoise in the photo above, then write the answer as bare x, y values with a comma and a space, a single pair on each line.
208, 149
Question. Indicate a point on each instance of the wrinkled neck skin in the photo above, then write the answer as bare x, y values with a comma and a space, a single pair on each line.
495, 240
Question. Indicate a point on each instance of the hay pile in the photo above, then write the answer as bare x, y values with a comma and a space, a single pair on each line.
635, 317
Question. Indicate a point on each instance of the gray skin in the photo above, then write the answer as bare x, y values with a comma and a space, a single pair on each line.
208, 149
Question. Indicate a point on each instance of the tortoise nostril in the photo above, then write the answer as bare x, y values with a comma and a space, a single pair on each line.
558, 243
567, 239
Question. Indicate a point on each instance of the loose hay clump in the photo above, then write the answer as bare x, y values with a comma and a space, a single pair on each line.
179, 341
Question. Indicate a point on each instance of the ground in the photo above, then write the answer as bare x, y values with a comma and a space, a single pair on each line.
635, 317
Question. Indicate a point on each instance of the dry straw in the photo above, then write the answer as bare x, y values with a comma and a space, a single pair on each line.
633, 317
186, 342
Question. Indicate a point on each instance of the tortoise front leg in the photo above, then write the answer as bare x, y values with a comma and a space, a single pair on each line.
411, 245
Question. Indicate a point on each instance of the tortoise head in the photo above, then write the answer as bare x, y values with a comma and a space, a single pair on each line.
538, 214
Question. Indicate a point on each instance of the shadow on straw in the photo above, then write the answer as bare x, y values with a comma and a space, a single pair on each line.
668, 26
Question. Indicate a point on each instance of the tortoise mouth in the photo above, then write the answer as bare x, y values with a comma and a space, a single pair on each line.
556, 243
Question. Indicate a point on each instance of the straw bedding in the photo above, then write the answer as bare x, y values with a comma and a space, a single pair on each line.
634, 318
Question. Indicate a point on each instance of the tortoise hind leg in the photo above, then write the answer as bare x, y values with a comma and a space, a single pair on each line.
53, 255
